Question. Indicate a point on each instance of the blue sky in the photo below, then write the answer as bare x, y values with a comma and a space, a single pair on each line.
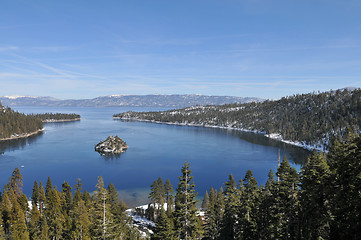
248, 48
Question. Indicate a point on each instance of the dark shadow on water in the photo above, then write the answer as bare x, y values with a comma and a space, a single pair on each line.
16, 144
298, 155
61, 124
110, 157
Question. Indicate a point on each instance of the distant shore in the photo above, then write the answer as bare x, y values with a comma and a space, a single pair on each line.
276, 137
23, 135
60, 120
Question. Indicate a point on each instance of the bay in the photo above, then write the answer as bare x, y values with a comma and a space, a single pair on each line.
65, 152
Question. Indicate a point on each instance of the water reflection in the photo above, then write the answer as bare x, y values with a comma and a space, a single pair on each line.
18, 144
298, 155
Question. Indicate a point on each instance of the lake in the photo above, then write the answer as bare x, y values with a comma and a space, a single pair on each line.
65, 152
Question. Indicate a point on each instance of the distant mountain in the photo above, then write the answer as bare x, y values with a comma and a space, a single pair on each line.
174, 101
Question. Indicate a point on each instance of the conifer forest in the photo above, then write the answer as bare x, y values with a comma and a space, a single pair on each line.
313, 118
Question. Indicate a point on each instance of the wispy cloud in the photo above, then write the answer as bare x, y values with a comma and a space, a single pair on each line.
8, 48
52, 48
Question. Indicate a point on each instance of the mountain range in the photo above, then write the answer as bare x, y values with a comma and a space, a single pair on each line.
155, 100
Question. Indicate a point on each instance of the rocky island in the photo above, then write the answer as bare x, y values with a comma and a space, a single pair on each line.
112, 145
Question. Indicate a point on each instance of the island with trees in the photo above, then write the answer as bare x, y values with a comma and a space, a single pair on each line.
112, 145
57, 117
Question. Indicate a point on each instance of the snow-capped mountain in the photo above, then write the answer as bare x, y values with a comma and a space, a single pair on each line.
155, 100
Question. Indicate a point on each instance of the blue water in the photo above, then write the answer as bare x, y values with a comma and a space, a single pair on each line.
65, 152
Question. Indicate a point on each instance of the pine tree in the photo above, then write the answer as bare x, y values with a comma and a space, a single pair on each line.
231, 198
345, 165
48, 187
205, 202
66, 197
77, 195
81, 222
316, 216
16, 182
18, 229
247, 208
169, 192
287, 202
102, 223
117, 209
54, 214
163, 228
211, 227
35, 194
187, 223
5, 208
34, 223
2, 231
42, 198
267, 219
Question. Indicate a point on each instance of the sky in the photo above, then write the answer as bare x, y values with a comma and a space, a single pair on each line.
248, 48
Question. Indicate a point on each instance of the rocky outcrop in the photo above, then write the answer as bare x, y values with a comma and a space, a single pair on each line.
112, 145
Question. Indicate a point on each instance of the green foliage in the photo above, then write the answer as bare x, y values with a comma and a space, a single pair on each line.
60, 215
57, 116
315, 205
187, 223
14, 124
164, 228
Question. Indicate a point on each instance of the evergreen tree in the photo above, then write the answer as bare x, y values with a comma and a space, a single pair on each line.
267, 220
35, 194
16, 182
67, 199
248, 207
18, 229
163, 228
287, 202
169, 192
2, 231
187, 223
48, 187
102, 222
231, 198
54, 214
34, 223
205, 202
42, 198
78, 195
5, 208
315, 207
117, 209
81, 221
345, 165
211, 214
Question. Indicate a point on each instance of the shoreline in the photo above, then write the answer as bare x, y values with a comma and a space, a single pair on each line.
60, 120
22, 135
273, 136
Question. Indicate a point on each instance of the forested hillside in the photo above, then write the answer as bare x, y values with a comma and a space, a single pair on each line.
14, 124
314, 118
